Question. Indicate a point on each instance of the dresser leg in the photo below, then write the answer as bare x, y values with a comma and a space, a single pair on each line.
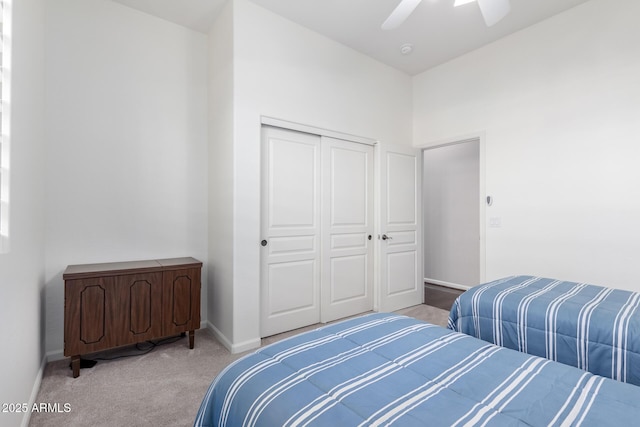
191, 338
75, 365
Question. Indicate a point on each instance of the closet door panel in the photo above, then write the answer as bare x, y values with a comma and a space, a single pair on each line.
290, 270
347, 224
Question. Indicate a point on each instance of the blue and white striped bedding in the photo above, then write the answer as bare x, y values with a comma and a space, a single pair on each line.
594, 328
385, 369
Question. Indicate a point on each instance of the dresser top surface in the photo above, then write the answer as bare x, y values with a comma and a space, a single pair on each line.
127, 267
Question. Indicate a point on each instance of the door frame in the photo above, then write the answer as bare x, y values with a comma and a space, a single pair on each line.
482, 195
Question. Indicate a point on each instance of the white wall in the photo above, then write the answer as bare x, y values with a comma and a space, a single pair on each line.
22, 268
285, 71
559, 103
221, 116
126, 131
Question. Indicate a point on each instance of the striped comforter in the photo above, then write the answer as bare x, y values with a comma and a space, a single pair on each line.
594, 328
385, 369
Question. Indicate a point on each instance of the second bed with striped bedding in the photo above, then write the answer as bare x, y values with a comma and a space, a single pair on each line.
594, 328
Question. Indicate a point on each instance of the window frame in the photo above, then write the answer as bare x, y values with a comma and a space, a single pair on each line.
5, 122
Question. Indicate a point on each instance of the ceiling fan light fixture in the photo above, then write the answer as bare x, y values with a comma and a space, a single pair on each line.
462, 2
400, 14
494, 10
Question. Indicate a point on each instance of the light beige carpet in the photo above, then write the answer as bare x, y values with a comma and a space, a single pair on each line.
162, 388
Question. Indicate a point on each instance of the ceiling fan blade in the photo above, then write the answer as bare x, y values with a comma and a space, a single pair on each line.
494, 10
400, 14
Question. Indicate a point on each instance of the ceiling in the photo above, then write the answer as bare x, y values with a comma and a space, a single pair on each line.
438, 31
195, 14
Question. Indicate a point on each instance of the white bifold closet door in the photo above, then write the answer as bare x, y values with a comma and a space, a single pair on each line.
317, 219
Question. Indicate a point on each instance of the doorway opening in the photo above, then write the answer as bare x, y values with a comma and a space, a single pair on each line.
453, 214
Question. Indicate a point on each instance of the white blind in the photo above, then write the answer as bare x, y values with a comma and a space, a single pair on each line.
5, 52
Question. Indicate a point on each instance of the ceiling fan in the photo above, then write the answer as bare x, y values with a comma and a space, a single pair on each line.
492, 11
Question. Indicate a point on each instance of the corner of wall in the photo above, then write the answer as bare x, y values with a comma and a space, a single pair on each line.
220, 279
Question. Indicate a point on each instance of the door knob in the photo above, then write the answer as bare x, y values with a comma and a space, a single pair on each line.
263, 243
385, 237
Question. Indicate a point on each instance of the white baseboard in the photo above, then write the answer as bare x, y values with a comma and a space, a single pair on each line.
34, 392
246, 345
233, 348
54, 355
219, 336
447, 284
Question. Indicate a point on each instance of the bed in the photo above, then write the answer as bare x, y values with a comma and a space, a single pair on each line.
594, 328
383, 369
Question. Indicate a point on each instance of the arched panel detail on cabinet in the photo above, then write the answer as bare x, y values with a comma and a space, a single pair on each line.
92, 314
181, 308
140, 307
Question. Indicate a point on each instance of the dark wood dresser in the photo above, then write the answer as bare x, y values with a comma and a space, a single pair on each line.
114, 304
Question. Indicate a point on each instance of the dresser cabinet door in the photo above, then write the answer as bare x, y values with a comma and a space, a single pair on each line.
181, 300
139, 301
89, 312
